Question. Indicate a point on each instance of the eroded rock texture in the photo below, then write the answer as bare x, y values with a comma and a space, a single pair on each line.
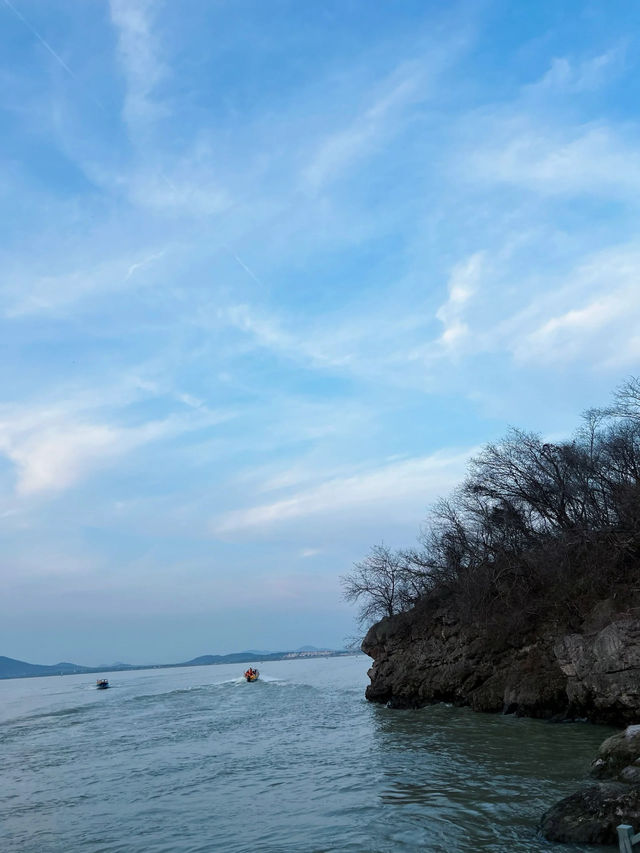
591, 815
426, 655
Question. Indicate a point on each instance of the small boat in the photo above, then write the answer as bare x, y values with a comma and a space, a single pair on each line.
252, 674
102, 684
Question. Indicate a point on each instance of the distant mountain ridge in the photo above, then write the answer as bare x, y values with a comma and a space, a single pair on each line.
12, 668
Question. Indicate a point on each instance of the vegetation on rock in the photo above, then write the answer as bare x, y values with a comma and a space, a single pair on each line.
537, 531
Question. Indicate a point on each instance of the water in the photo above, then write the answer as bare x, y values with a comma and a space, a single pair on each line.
195, 759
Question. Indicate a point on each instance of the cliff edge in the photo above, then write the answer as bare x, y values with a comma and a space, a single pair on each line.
428, 655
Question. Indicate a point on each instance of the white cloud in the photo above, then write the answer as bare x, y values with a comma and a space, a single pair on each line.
29, 292
55, 458
139, 55
143, 263
534, 142
496, 302
462, 286
54, 448
340, 149
189, 188
265, 329
523, 149
324, 348
571, 77
596, 312
416, 481
564, 336
310, 552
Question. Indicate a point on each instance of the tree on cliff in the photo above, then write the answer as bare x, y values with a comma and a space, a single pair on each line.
536, 530
384, 583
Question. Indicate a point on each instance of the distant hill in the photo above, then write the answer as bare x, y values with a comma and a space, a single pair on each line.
11, 668
234, 657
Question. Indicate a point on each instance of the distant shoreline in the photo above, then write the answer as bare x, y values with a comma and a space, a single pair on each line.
12, 669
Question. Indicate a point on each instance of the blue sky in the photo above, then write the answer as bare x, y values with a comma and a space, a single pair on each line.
271, 271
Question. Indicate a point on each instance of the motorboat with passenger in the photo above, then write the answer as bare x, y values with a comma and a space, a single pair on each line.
252, 674
102, 684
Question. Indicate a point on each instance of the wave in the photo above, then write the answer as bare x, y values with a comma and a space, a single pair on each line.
43, 715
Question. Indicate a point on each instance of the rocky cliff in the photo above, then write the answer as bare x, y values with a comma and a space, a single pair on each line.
427, 655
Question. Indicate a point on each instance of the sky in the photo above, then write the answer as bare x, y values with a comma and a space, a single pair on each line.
270, 273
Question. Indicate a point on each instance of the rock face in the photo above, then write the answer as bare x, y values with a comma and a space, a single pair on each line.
426, 655
603, 669
592, 814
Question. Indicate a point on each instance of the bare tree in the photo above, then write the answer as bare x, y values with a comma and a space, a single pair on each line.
627, 399
537, 530
377, 583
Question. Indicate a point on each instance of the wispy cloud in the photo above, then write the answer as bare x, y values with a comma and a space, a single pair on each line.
346, 240
569, 76
462, 287
143, 263
52, 448
140, 57
188, 188
595, 159
389, 486
310, 552
597, 309
344, 147
30, 292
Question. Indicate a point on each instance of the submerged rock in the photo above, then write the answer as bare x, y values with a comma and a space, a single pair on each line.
591, 814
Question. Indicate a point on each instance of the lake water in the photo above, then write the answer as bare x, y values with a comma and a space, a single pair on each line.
195, 759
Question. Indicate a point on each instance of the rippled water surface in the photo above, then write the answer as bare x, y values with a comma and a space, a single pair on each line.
195, 759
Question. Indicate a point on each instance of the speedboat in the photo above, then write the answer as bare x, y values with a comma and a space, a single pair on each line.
252, 674
102, 684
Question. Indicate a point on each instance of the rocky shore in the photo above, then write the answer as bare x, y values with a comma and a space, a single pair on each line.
427, 655
611, 798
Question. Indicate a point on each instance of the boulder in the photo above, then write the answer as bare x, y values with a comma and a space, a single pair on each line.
591, 814
618, 753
